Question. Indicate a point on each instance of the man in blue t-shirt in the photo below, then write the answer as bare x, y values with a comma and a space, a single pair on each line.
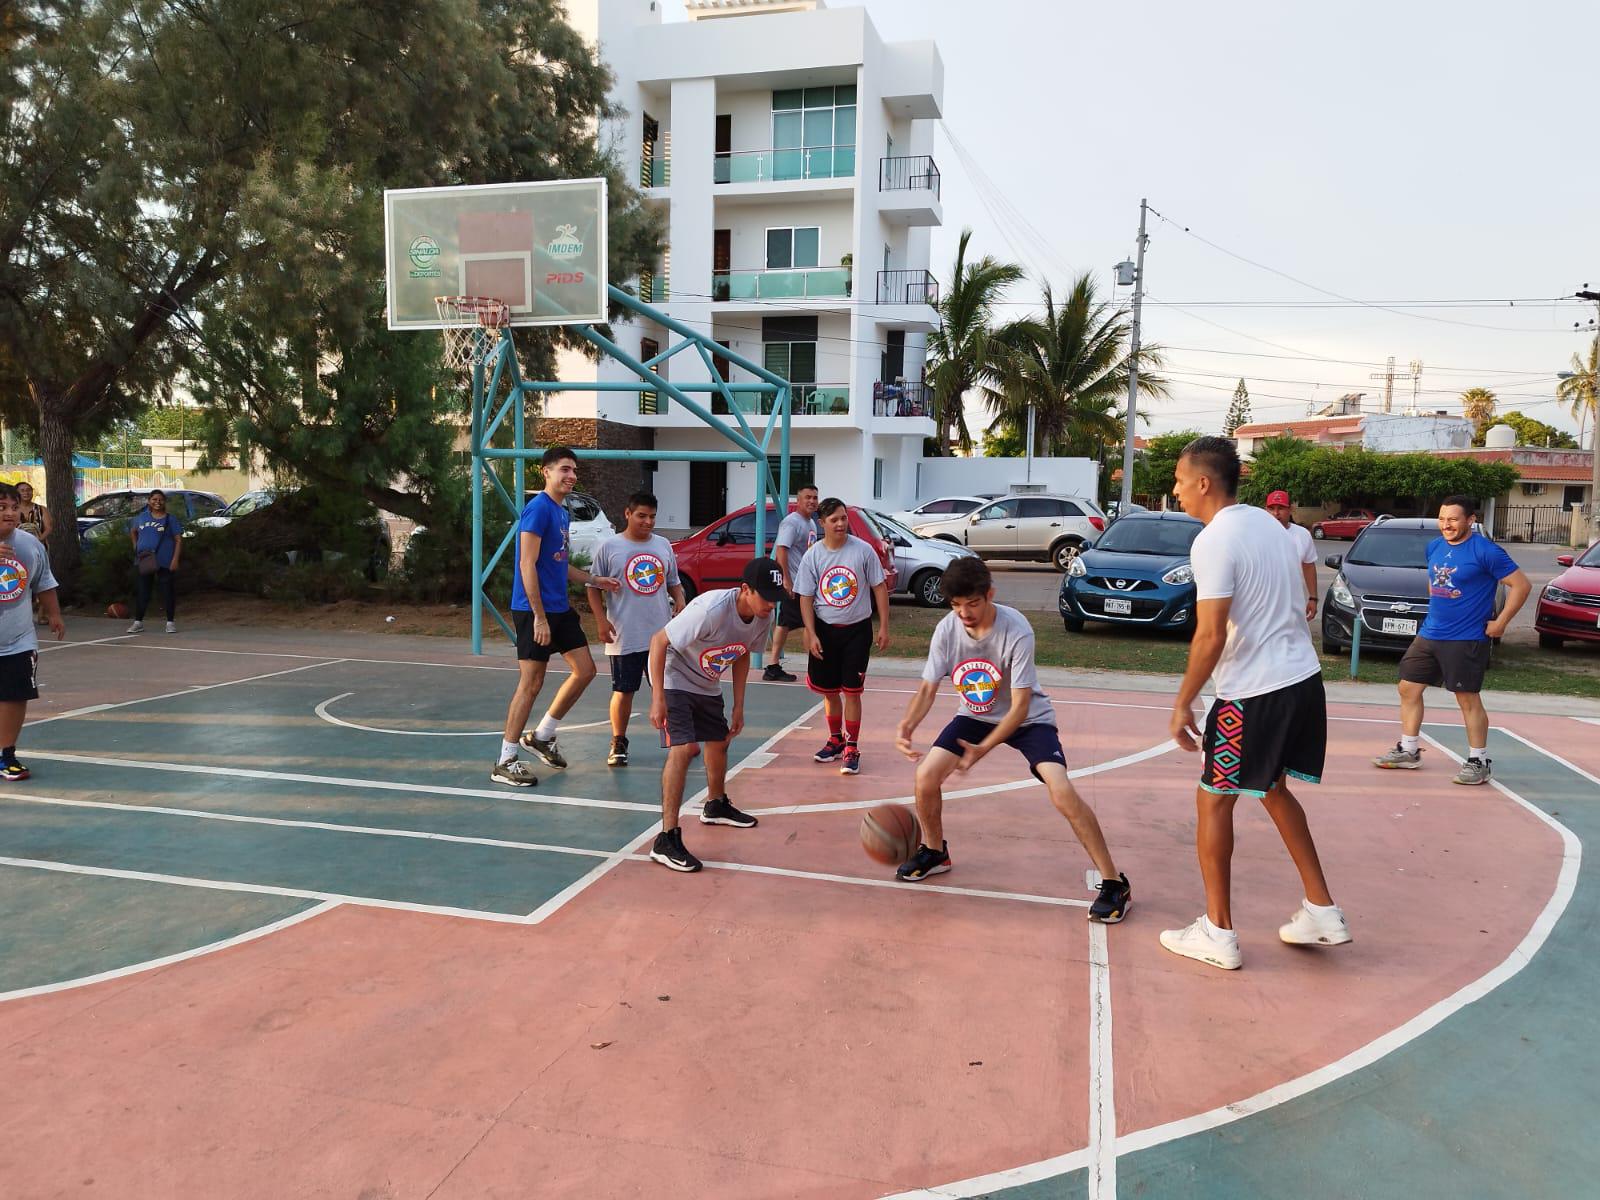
1451, 650
544, 620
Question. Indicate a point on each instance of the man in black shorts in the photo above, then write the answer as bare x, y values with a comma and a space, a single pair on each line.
837, 582
545, 623
715, 631
1270, 717
25, 578
797, 533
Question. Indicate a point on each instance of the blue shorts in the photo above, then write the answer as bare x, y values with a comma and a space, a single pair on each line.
627, 671
1037, 743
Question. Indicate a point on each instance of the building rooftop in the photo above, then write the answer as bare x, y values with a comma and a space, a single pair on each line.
704, 10
1312, 425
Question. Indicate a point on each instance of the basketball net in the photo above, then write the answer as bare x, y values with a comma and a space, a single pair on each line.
465, 316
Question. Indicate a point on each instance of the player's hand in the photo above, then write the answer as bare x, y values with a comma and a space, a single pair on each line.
813, 645
882, 640
541, 630
971, 755
58, 626
1311, 609
1495, 628
902, 743
1185, 730
607, 631
605, 583
658, 713
735, 724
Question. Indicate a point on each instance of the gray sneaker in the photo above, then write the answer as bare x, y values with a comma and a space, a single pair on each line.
1473, 772
1397, 759
545, 750
515, 772
136, 627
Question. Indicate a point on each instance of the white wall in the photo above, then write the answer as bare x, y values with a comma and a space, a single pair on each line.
748, 224
1395, 433
977, 476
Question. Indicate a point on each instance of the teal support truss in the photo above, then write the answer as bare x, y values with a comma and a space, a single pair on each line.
495, 414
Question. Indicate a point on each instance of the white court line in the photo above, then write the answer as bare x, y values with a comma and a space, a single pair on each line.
262, 889
151, 964
398, 662
322, 711
45, 649
1571, 766
188, 691
202, 814
382, 785
1102, 1147
560, 899
892, 884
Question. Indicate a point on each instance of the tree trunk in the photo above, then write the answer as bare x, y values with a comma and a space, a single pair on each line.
55, 448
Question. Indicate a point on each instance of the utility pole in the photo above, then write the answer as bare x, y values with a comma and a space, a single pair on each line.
1594, 451
1133, 361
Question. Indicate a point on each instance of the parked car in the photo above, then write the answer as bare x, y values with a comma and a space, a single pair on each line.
1569, 605
935, 510
247, 503
1049, 529
715, 557
1114, 508
1385, 579
919, 561
1138, 573
109, 512
1346, 524
588, 525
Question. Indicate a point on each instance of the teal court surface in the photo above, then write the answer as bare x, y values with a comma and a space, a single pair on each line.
268, 929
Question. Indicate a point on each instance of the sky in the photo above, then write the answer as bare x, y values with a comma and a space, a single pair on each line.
1439, 160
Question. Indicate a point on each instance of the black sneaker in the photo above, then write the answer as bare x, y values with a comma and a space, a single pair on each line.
722, 812
1113, 902
923, 863
669, 851
832, 749
851, 763
776, 674
619, 753
545, 750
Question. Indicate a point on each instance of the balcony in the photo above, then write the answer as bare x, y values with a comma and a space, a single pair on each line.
786, 165
908, 287
655, 172
807, 283
901, 400
805, 400
908, 189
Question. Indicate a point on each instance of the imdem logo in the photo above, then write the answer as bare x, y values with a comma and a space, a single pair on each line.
566, 243
424, 256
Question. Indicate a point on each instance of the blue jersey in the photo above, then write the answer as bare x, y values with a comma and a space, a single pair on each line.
549, 520
1461, 585
156, 533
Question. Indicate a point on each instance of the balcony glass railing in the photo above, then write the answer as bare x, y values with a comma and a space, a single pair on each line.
767, 166
807, 283
805, 400
656, 172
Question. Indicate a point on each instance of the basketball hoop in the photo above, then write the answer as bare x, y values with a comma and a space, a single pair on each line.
463, 348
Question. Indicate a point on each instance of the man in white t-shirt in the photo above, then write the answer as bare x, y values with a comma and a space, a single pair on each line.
1269, 720
1278, 505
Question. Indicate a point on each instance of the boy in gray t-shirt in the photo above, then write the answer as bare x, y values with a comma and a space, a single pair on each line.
630, 616
715, 632
24, 577
986, 651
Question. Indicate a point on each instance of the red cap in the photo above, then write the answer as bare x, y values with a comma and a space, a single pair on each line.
1274, 499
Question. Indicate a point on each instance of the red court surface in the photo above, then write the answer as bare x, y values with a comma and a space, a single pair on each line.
789, 1023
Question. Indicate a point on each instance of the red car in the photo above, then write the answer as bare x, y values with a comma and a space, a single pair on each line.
1344, 525
1569, 605
715, 557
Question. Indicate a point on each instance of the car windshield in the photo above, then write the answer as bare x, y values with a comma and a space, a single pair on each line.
1591, 556
1150, 537
1382, 546
118, 505
890, 525
246, 503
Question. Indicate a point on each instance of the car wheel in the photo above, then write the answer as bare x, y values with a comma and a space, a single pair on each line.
1063, 552
689, 590
1316, 532
1073, 624
1549, 641
928, 588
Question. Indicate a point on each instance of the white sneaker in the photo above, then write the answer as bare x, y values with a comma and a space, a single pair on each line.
1194, 941
1306, 928
172, 627
136, 627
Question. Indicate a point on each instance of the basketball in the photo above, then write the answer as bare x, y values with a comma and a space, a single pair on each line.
118, 610
890, 833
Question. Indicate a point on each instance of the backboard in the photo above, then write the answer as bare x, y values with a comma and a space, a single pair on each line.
540, 247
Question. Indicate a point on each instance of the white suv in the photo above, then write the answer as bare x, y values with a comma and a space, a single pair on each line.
1049, 529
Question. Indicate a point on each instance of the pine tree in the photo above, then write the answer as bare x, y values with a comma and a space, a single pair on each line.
1238, 410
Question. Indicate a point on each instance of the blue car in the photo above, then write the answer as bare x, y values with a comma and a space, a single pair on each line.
1136, 573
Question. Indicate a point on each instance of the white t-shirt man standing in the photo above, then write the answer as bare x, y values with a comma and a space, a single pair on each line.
1279, 506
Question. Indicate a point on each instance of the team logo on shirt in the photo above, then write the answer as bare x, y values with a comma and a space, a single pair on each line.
715, 661
1443, 583
645, 574
13, 579
978, 680
838, 586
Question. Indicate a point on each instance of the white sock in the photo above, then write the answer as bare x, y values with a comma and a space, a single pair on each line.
508, 750
1324, 911
547, 728
1220, 935
1409, 742
1481, 753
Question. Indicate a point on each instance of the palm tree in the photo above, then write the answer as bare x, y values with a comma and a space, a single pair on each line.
962, 351
1070, 365
1578, 390
1477, 406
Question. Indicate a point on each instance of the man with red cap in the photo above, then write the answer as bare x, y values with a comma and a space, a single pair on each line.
1278, 505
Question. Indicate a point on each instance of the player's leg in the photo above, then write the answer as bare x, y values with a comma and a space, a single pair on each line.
532, 660
542, 740
679, 739
852, 649
785, 618
627, 677
1419, 670
932, 856
1467, 665
1214, 849
15, 669
833, 713
1210, 937
1115, 896
141, 600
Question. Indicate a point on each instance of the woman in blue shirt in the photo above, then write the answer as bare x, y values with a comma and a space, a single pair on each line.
157, 547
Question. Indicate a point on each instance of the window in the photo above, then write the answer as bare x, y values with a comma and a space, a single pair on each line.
581, 507
650, 403
1042, 507
793, 247
1572, 495
802, 472
741, 530
1000, 510
814, 132
795, 361
877, 479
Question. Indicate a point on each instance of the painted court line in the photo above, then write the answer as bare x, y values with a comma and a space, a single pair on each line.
382, 785
398, 662
188, 691
1102, 1147
251, 935
322, 711
892, 884
49, 646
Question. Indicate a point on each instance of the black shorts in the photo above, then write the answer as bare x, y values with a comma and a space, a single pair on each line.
566, 634
627, 671
1251, 744
788, 614
693, 717
19, 677
1037, 743
846, 650
1454, 666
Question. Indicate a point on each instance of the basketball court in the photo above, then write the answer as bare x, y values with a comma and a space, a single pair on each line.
267, 929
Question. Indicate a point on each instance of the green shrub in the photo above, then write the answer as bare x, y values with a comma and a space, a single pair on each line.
107, 575
315, 583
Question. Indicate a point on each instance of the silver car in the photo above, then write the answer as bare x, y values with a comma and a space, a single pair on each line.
920, 561
1050, 529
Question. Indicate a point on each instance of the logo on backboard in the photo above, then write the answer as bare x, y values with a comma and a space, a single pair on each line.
566, 243
424, 256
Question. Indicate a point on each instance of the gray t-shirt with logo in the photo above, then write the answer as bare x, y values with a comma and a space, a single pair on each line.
707, 638
796, 535
24, 573
643, 604
985, 670
840, 582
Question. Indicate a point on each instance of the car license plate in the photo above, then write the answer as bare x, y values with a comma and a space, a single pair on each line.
1117, 605
1398, 625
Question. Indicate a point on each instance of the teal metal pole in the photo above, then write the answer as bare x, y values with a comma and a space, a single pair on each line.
783, 443
658, 455
623, 300
1355, 644
477, 509
518, 427
639, 385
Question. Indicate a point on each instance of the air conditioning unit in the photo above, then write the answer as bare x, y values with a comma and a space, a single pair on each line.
1023, 489
1533, 489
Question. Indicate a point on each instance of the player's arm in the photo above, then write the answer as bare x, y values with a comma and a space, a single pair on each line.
1308, 571
658, 669
678, 599
597, 609
741, 675
781, 553
590, 580
528, 565
176, 530
1021, 698
880, 592
1517, 591
1205, 649
808, 616
915, 711
50, 606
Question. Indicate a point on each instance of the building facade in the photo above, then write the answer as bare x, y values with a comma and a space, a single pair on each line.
1384, 433
790, 149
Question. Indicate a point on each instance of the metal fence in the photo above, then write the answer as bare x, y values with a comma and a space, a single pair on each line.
908, 287
1532, 523
908, 173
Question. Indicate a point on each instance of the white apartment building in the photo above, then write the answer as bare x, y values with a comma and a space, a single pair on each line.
790, 149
